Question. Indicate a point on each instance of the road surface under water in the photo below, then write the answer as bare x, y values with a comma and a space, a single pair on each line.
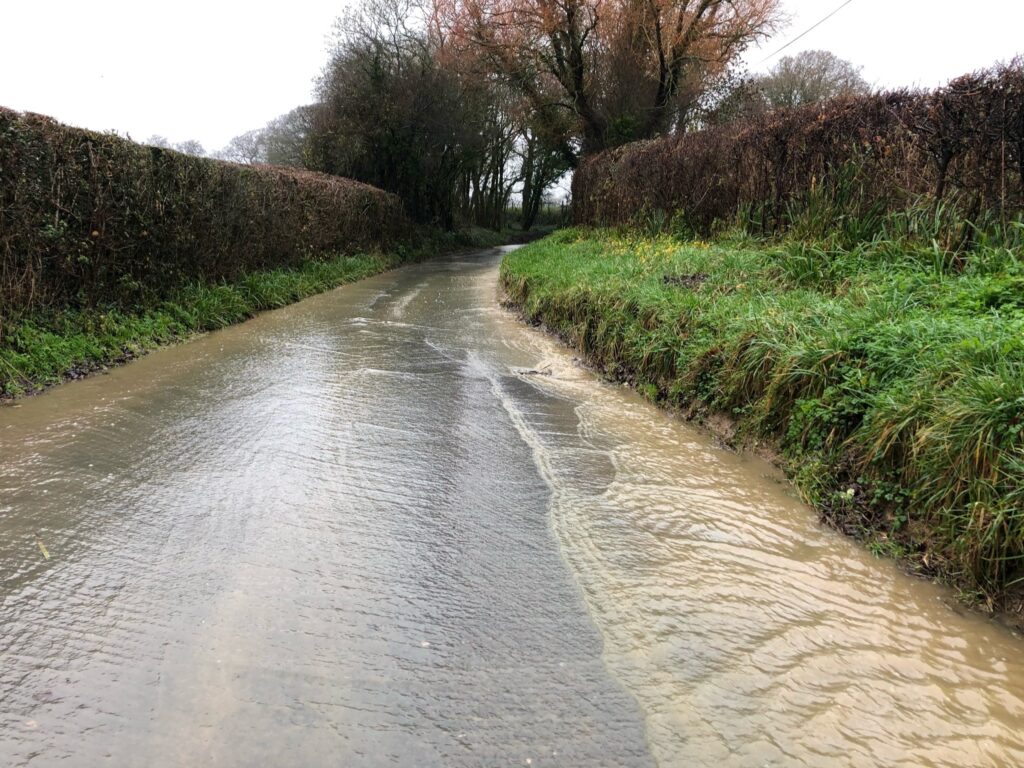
391, 526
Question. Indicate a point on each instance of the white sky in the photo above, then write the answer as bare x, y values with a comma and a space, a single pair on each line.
904, 42
211, 70
186, 69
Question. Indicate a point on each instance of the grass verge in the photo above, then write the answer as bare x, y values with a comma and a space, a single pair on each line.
890, 380
45, 349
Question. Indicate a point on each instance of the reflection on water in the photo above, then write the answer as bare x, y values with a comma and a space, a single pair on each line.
360, 531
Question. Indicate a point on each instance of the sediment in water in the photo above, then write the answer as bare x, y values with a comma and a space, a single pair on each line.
612, 307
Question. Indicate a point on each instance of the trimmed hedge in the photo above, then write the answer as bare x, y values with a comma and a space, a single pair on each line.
90, 219
962, 144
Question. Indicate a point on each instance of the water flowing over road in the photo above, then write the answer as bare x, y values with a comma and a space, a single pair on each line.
391, 526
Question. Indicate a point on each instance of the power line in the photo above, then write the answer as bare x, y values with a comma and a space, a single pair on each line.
805, 32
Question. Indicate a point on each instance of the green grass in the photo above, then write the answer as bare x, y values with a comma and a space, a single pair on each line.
46, 349
38, 351
890, 376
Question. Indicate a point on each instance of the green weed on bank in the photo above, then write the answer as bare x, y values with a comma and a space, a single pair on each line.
892, 381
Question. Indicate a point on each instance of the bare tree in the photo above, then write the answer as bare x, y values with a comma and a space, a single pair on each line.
810, 77
625, 69
247, 148
286, 137
190, 147
393, 115
401, 110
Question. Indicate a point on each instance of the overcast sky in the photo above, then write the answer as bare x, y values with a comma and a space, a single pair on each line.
904, 42
211, 70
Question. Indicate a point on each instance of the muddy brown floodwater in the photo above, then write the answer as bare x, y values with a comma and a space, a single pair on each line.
391, 526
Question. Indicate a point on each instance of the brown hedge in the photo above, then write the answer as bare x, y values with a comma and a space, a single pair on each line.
964, 142
94, 219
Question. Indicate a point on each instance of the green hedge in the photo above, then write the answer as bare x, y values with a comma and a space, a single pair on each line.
90, 219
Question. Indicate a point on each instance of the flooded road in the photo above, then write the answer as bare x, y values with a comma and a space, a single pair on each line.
390, 526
